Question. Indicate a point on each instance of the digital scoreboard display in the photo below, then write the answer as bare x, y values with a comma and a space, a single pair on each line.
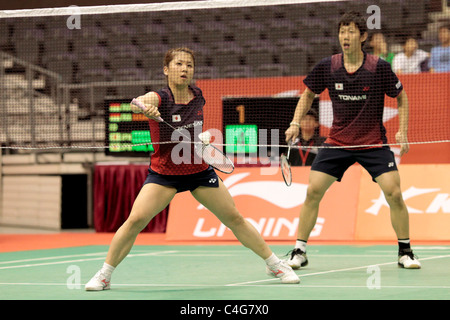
243, 137
127, 133
252, 121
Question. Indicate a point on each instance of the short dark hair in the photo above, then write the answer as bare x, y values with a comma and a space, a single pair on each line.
356, 18
170, 55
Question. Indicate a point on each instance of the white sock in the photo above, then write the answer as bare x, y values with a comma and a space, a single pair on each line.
300, 244
107, 269
273, 259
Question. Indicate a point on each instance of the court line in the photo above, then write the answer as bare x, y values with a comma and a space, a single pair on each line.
82, 260
53, 258
115, 284
245, 284
335, 270
178, 254
249, 283
163, 285
162, 253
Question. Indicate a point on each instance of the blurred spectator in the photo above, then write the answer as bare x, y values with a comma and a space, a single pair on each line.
309, 137
380, 47
411, 60
440, 55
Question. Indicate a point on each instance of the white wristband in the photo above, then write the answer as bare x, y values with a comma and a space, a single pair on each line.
295, 124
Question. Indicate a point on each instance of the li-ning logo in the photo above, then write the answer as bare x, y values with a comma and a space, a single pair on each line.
440, 203
274, 192
352, 98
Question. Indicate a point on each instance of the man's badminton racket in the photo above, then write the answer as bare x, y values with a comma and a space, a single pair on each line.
286, 166
209, 153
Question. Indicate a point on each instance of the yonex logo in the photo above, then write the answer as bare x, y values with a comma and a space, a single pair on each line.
390, 164
212, 180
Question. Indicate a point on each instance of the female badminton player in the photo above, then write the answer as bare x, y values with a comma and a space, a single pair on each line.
357, 83
182, 104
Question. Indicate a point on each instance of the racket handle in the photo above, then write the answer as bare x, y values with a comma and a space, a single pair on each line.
139, 104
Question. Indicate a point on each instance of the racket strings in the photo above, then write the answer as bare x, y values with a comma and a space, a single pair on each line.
214, 157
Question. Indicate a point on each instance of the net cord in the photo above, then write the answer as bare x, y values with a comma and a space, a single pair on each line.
229, 145
166, 6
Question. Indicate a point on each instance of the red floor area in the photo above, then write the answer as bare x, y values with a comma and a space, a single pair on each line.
21, 242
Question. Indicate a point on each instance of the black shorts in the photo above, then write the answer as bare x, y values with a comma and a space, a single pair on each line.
190, 182
336, 161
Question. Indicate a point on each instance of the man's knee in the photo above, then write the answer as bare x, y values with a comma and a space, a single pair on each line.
394, 196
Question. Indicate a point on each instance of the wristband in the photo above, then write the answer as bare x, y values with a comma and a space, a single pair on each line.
295, 124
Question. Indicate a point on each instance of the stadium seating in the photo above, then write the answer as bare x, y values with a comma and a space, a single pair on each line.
225, 36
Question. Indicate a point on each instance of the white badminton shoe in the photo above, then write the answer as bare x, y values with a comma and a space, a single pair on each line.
283, 271
98, 282
407, 260
297, 259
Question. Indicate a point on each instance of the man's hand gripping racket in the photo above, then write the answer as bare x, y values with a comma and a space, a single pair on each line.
210, 154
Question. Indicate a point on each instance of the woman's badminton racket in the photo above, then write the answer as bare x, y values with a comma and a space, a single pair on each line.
210, 154
286, 166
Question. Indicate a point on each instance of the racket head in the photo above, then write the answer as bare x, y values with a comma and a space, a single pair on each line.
214, 157
286, 169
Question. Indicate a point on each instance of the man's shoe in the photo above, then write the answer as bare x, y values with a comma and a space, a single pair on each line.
297, 259
407, 260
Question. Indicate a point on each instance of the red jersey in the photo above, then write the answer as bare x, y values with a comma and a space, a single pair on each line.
357, 98
177, 158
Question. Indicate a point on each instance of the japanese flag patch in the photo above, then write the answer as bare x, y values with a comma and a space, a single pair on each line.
339, 86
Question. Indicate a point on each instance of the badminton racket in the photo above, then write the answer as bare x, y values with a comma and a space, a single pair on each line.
286, 166
209, 153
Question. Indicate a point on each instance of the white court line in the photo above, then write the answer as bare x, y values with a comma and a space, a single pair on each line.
53, 258
163, 285
115, 284
334, 271
243, 284
103, 255
82, 260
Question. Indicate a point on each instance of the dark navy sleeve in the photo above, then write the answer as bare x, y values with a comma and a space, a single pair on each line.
392, 85
316, 79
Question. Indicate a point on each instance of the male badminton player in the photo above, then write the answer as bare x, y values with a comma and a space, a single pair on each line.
357, 83
182, 104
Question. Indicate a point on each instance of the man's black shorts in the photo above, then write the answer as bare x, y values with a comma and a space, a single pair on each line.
336, 161
190, 182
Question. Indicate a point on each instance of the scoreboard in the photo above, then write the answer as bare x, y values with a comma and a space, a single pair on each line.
248, 121
256, 120
127, 133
